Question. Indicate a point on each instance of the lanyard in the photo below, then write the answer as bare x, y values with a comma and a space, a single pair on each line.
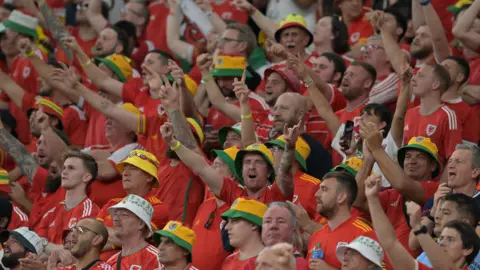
91, 264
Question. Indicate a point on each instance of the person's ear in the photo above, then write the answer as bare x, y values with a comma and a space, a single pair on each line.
3, 222
382, 125
435, 84
119, 48
342, 197
336, 77
97, 240
467, 252
243, 46
460, 78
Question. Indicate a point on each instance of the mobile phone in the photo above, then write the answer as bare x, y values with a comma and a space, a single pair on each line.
317, 254
347, 135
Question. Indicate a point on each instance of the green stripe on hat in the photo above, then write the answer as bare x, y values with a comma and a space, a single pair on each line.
227, 72
240, 214
113, 67
298, 157
20, 28
228, 160
402, 151
343, 167
177, 240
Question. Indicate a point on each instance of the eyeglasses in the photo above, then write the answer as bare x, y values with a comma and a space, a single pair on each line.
82, 230
131, 11
142, 156
82, 5
366, 48
223, 40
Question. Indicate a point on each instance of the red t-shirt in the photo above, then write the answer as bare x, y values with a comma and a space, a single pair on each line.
213, 256
97, 266
142, 49
75, 124
359, 31
264, 129
19, 218
145, 259
259, 108
327, 240
176, 184
149, 126
227, 11
468, 117
58, 219
96, 122
442, 127
233, 262
156, 30
231, 191
474, 78
305, 187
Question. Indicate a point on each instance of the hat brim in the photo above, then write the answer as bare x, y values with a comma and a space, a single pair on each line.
402, 151
133, 210
298, 157
239, 214
239, 163
344, 168
222, 133
111, 66
229, 72
177, 240
225, 158
138, 162
341, 251
278, 33
20, 28
23, 241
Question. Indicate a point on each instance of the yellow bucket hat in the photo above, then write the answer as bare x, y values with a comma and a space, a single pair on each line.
119, 64
250, 210
229, 66
302, 149
293, 20
423, 144
143, 160
351, 165
228, 156
181, 235
258, 148
196, 127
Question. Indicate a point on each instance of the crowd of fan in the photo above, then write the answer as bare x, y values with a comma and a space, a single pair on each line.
235, 134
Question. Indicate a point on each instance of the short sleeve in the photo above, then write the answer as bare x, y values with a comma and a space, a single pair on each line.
39, 180
230, 191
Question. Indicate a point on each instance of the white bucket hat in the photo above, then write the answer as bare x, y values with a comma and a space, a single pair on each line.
366, 246
27, 238
137, 205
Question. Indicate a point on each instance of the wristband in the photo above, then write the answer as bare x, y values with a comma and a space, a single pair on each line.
206, 79
176, 147
425, 2
87, 63
248, 116
29, 53
422, 230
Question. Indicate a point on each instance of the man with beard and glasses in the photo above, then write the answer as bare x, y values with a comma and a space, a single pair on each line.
140, 178
18, 244
89, 236
335, 198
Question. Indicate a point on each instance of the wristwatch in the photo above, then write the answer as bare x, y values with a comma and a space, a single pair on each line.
422, 230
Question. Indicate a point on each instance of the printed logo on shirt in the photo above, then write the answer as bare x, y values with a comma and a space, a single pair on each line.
72, 222
431, 129
160, 110
26, 72
135, 267
354, 37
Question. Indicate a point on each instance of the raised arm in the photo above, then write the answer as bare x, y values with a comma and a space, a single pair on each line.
402, 106
187, 104
12, 89
194, 161
463, 28
94, 73
265, 24
418, 19
397, 57
248, 126
362, 175
285, 173
390, 169
398, 255
214, 94
95, 17
179, 47
441, 48
322, 105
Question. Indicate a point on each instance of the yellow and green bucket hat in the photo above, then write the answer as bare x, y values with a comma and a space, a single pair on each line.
423, 144
143, 160
293, 20
119, 64
302, 149
257, 148
228, 156
351, 165
250, 210
181, 235
230, 66
196, 127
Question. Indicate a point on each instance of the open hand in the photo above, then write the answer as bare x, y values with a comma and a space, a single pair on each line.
169, 94
242, 5
291, 134
372, 135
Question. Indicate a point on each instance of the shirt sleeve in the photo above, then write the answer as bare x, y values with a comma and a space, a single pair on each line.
452, 135
130, 90
75, 125
429, 189
42, 228
28, 101
275, 194
103, 213
39, 180
230, 191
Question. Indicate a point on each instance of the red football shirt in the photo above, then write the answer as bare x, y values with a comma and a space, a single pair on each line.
227, 11
207, 230
474, 78
441, 126
178, 184
149, 126
75, 124
145, 259
231, 191
86, 46
305, 187
58, 219
468, 117
233, 262
359, 31
156, 30
97, 266
19, 218
96, 122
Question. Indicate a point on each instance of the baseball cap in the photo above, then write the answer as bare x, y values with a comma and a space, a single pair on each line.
119, 64
181, 235
48, 106
254, 148
27, 238
366, 246
293, 20
250, 210
137, 205
423, 144
143, 160
302, 149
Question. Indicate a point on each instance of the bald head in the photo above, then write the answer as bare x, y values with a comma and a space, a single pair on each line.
289, 108
97, 227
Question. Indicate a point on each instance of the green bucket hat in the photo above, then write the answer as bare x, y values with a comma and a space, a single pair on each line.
228, 156
250, 210
230, 66
254, 148
22, 23
351, 166
423, 144
302, 149
181, 235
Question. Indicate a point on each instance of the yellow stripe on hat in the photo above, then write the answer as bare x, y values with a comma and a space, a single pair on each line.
230, 62
51, 105
197, 127
252, 207
192, 86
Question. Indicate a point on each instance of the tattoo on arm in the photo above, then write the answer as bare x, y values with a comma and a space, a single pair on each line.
182, 130
104, 105
285, 174
19, 153
56, 27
